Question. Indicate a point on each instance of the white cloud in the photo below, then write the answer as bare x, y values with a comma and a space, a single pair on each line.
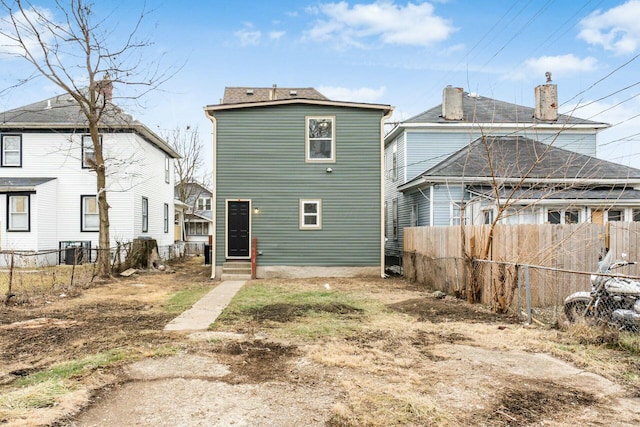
616, 29
276, 35
10, 47
618, 143
363, 94
248, 36
560, 65
413, 24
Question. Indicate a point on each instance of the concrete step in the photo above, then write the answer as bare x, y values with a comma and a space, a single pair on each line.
229, 276
236, 270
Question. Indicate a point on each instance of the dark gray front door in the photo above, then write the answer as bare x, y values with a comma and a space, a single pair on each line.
238, 229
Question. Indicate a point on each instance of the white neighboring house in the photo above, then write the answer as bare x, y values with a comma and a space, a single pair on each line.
48, 192
198, 217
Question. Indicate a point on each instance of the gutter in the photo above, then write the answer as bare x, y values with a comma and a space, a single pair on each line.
457, 180
384, 117
214, 192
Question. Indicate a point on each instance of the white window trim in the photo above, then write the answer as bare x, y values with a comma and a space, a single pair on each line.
394, 162
166, 217
86, 149
145, 215
11, 213
167, 170
84, 213
205, 201
318, 225
4, 151
307, 144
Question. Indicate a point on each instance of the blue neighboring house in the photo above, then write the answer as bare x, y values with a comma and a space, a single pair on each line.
436, 167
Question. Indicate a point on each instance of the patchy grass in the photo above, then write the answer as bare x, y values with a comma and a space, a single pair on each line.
63, 371
294, 311
184, 299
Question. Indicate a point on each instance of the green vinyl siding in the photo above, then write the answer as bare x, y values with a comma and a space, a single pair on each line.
261, 157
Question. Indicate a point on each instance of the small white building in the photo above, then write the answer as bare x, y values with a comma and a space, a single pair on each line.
48, 191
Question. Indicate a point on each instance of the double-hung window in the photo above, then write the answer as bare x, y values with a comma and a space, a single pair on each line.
167, 170
310, 214
88, 152
11, 150
320, 144
204, 204
18, 212
145, 214
90, 216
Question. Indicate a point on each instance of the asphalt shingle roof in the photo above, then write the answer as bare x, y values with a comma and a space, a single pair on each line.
63, 112
480, 109
21, 183
238, 95
518, 157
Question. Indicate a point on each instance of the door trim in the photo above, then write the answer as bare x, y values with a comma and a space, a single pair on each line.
226, 229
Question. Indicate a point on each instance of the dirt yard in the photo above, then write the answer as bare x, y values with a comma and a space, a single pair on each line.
422, 361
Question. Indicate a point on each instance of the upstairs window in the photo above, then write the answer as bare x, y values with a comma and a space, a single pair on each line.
88, 152
320, 140
167, 169
310, 214
204, 204
18, 212
11, 150
90, 217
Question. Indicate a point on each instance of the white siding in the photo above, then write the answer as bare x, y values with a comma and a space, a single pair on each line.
45, 215
134, 167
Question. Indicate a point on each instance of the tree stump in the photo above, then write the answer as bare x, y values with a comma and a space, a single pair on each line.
144, 254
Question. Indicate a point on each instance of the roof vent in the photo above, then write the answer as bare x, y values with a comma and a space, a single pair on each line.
249, 91
48, 107
293, 93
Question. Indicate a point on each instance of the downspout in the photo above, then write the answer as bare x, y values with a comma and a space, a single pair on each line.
431, 191
214, 193
382, 213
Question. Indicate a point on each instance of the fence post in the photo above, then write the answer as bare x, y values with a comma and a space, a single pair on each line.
10, 290
519, 281
527, 289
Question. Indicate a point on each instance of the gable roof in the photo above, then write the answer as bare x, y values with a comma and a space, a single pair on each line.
515, 158
238, 95
62, 112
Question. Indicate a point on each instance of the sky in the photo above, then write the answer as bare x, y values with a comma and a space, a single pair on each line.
388, 51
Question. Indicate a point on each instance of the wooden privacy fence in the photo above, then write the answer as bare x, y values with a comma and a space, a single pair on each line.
560, 259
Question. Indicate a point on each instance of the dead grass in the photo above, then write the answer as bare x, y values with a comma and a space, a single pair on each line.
395, 354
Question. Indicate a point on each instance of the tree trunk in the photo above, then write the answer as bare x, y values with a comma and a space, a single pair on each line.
104, 243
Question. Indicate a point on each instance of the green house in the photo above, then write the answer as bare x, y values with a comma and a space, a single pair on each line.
300, 176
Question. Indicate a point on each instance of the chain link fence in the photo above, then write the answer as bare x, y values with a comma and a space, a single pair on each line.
25, 275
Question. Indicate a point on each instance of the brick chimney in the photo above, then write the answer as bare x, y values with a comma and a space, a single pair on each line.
546, 108
452, 103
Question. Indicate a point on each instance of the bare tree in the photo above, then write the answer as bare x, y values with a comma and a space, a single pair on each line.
190, 168
73, 48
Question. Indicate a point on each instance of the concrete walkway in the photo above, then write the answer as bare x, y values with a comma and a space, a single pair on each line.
207, 309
